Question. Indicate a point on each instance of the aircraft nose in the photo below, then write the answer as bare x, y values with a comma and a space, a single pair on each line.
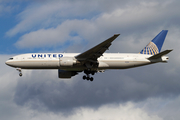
7, 62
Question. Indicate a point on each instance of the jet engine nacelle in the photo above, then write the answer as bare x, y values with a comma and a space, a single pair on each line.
66, 74
67, 61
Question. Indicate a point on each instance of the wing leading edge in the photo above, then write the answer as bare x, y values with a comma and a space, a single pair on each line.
94, 53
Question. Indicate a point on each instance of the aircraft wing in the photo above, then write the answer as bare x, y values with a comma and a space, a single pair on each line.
94, 53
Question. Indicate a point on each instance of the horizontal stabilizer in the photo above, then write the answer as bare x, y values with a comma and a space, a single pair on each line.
159, 55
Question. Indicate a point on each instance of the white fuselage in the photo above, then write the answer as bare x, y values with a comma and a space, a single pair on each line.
107, 61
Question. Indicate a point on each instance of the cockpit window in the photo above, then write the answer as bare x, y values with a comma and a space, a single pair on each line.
10, 58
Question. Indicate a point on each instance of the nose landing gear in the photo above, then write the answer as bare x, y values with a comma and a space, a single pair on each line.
20, 72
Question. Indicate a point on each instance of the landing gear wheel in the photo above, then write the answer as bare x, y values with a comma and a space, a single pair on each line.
20, 74
84, 77
87, 76
91, 79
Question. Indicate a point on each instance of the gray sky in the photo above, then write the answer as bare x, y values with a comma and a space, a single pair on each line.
149, 92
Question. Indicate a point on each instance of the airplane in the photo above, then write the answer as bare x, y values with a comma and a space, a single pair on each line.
93, 60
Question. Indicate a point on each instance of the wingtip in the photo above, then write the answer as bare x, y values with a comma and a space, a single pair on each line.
116, 34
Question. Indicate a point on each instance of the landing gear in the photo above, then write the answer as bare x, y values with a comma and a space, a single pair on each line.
87, 76
84, 77
20, 72
91, 79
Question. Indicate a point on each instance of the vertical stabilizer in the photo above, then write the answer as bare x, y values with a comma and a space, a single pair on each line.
155, 45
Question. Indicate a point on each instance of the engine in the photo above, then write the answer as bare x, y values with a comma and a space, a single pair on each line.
67, 61
66, 74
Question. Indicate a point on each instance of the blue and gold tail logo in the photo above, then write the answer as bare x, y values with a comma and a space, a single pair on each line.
150, 49
155, 45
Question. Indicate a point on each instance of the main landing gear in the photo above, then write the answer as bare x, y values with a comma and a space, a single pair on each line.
87, 76
20, 72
